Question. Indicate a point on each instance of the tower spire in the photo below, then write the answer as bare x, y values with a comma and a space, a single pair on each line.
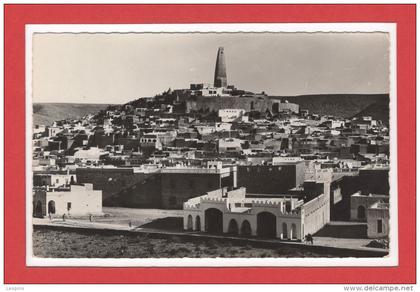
220, 78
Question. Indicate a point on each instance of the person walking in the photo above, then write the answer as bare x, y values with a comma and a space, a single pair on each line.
311, 239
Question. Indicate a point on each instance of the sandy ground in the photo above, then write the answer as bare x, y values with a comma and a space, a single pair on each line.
84, 244
336, 234
121, 217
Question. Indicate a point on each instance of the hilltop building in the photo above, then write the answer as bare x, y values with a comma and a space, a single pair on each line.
204, 97
220, 77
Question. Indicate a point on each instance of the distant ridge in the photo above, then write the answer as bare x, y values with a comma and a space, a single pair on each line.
345, 105
340, 105
47, 113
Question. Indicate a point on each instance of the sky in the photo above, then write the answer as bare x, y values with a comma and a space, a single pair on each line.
116, 68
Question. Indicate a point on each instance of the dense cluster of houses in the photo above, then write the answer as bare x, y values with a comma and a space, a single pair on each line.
232, 170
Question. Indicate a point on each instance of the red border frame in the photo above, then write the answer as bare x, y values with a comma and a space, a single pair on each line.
15, 18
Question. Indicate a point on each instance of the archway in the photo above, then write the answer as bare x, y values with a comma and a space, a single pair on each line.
51, 207
233, 227
197, 223
293, 234
246, 228
38, 209
266, 225
189, 223
214, 220
361, 212
285, 231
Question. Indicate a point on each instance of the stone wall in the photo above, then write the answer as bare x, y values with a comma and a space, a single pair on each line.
179, 187
252, 103
143, 194
267, 179
111, 181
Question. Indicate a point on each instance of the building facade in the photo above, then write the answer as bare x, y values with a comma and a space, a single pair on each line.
233, 212
359, 204
78, 200
378, 220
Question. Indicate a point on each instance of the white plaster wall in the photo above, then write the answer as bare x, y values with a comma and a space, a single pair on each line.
83, 201
372, 218
365, 201
297, 220
316, 214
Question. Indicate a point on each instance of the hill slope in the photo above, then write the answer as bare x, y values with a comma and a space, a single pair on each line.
378, 110
47, 113
342, 105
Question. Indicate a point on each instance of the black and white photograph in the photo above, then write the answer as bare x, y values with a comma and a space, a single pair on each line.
222, 146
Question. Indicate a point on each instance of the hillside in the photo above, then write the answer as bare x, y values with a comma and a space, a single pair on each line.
378, 110
47, 113
343, 105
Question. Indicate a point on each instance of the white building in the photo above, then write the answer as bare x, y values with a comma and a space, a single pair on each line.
78, 200
359, 204
91, 154
232, 212
229, 115
205, 89
378, 220
220, 127
229, 145
53, 179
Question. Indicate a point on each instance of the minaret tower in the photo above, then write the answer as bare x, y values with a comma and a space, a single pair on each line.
220, 78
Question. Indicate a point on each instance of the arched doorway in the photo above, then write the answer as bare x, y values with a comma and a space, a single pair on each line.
233, 227
266, 225
190, 223
38, 209
293, 234
214, 220
198, 223
361, 212
51, 207
285, 231
246, 228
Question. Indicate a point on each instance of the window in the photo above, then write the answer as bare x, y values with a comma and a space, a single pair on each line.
56, 180
288, 207
237, 205
379, 223
68, 206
